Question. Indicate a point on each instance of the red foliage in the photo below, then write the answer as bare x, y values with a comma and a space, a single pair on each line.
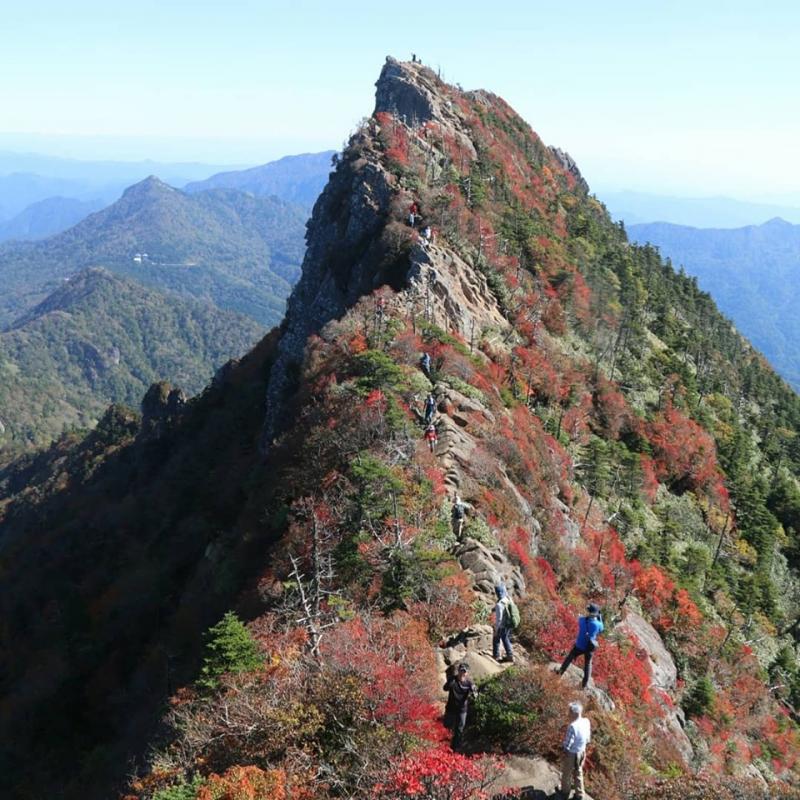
685, 454
437, 774
626, 674
395, 138
649, 488
613, 412
395, 663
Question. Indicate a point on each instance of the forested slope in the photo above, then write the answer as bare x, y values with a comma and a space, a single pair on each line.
100, 339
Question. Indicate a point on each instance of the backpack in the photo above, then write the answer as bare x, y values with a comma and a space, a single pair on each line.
458, 511
513, 614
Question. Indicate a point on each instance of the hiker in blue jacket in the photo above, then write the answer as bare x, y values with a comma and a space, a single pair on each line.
589, 628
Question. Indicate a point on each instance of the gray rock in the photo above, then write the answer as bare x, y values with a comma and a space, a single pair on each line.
574, 677
400, 93
662, 665
489, 567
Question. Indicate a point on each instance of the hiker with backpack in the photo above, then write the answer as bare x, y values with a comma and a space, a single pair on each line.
458, 515
576, 739
430, 408
506, 619
460, 691
425, 364
589, 628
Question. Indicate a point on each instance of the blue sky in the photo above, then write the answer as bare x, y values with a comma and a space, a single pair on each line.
685, 97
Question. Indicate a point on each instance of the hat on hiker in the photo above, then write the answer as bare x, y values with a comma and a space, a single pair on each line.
593, 609
463, 668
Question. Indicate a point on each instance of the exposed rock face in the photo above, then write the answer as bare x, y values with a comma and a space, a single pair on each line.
568, 162
161, 401
665, 676
533, 777
473, 646
488, 568
341, 264
662, 665
407, 99
453, 294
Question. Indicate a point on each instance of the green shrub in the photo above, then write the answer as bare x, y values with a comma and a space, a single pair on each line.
181, 791
522, 710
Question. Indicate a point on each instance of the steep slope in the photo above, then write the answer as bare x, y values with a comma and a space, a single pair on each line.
234, 250
753, 274
294, 179
46, 217
101, 339
616, 439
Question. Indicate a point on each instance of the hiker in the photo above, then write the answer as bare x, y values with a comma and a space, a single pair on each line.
430, 408
413, 213
589, 628
458, 514
380, 308
426, 234
576, 739
430, 437
503, 624
425, 364
460, 690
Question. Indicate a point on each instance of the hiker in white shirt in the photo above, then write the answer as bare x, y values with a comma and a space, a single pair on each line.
577, 738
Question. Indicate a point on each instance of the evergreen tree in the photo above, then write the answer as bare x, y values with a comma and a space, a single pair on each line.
229, 648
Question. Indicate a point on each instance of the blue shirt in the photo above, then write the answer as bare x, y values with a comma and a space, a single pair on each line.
589, 628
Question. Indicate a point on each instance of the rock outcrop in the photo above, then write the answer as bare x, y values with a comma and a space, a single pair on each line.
662, 665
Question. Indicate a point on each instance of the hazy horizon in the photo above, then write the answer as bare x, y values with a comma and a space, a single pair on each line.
681, 100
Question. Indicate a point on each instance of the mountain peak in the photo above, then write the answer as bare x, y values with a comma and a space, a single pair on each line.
149, 187
408, 90
777, 222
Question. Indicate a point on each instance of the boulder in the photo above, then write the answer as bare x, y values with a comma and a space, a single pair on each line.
473, 646
574, 677
531, 776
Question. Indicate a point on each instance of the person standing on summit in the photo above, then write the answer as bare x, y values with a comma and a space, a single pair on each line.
589, 628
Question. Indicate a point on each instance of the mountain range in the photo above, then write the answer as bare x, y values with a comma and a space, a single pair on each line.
260, 592
295, 179
233, 249
753, 273
40, 195
700, 212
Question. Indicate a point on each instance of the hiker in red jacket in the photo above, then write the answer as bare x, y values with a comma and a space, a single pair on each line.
430, 437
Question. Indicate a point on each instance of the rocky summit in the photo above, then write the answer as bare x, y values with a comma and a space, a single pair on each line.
480, 387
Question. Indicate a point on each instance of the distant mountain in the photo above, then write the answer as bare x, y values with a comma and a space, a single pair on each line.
46, 217
235, 250
702, 212
101, 339
296, 179
753, 273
